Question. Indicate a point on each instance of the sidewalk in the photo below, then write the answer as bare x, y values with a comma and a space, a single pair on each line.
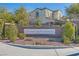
7, 50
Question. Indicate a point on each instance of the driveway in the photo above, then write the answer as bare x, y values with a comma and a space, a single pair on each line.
7, 50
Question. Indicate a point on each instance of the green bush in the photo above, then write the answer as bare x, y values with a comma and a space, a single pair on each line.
66, 40
21, 35
1, 27
11, 32
62, 40
38, 23
51, 39
69, 30
77, 39
0, 38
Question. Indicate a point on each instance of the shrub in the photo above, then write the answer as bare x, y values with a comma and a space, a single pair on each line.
69, 32
1, 27
11, 32
62, 39
21, 35
51, 39
77, 39
66, 40
0, 38
38, 23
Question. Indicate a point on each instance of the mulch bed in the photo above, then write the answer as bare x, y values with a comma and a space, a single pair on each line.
34, 42
37, 41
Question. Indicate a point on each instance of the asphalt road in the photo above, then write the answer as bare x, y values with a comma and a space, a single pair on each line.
7, 50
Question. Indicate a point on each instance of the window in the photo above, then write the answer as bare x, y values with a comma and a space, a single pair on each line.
37, 14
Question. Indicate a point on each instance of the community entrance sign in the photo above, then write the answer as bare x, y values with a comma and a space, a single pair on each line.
39, 31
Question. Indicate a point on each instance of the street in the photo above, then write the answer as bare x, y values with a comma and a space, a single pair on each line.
7, 50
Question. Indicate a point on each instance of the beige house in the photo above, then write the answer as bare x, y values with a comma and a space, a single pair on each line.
42, 14
57, 15
45, 15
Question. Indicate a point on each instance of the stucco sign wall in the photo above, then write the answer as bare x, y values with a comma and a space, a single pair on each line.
39, 31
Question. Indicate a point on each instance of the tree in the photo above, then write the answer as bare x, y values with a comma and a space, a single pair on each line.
69, 31
73, 10
1, 27
5, 15
9, 17
2, 11
21, 17
11, 31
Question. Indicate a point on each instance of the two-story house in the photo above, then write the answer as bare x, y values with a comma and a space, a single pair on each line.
57, 15
45, 15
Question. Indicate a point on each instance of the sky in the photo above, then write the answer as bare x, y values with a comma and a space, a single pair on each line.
31, 6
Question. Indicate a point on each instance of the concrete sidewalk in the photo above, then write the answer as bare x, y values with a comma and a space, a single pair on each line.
7, 50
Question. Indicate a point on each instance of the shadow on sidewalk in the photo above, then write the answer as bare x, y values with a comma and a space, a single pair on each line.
75, 54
